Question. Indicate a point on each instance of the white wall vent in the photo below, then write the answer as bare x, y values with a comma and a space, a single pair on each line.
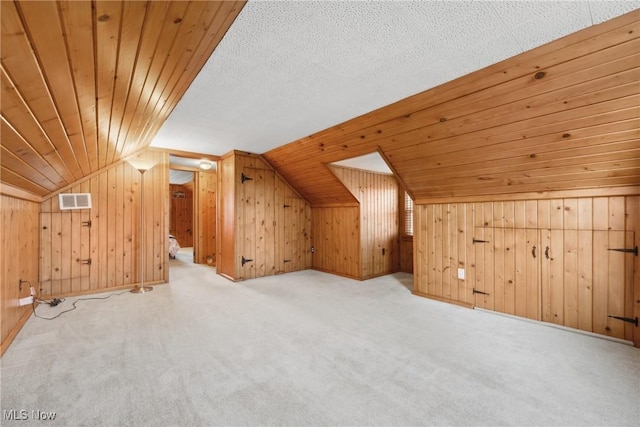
75, 201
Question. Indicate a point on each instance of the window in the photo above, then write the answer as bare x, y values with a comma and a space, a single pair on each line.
408, 215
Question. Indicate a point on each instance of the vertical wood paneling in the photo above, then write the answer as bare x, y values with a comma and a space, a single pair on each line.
206, 212
18, 260
264, 230
578, 285
181, 217
336, 237
377, 195
113, 240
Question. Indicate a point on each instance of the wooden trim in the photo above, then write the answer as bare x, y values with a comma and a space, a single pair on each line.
189, 169
226, 276
336, 273
398, 177
17, 193
442, 299
336, 205
187, 154
14, 332
373, 276
103, 290
594, 192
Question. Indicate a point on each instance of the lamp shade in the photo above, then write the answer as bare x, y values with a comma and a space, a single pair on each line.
142, 165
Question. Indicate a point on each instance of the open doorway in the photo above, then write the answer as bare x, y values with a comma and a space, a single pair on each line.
192, 214
181, 215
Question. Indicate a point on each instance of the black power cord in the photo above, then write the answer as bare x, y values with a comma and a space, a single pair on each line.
54, 302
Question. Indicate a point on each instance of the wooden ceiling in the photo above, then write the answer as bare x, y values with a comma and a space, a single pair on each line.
86, 83
564, 116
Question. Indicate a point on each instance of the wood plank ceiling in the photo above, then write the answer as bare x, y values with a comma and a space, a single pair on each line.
564, 116
87, 83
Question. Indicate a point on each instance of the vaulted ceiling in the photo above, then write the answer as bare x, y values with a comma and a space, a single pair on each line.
85, 84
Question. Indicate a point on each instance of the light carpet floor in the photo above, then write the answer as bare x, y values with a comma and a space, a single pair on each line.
308, 348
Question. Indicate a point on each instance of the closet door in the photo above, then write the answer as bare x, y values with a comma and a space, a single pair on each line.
255, 224
613, 258
508, 270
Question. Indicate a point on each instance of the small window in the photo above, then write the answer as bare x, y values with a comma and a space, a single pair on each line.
408, 215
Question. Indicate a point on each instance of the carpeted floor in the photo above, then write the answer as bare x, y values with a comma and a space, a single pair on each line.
307, 348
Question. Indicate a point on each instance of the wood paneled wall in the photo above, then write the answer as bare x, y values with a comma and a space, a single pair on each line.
563, 116
336, 240
112, 242
406, 254
181, 216
19, 261
264, 226
377, 195
206, 184
547, 260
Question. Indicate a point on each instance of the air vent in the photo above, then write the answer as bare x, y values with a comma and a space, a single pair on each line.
75, 201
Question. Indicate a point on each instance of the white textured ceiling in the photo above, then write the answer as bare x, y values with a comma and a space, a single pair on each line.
371, 162
287, 69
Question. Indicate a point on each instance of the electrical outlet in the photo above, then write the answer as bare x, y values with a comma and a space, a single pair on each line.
461, 273
26, 300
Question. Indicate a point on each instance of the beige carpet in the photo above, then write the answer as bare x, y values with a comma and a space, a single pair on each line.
308, 348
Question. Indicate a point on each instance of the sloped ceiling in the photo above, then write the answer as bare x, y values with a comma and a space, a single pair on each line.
286, 70
87, 83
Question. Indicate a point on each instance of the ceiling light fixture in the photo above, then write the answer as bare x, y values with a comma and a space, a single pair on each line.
204, 165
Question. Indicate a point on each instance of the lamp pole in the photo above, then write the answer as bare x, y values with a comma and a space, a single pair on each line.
142, 166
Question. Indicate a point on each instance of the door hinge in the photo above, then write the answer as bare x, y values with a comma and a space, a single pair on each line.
625, 250
244, 178
626, 319
86, 261
86, 223
245, 260
474, 240
475, 291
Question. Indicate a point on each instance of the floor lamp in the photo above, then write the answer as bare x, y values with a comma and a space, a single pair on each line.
142, 165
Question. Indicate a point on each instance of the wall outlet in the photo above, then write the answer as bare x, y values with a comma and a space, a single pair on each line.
26, 300
461, 273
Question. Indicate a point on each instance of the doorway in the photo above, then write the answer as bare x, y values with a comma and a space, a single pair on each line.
192, 215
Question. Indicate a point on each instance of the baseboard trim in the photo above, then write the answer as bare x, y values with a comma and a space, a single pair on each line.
443, 299
16, 329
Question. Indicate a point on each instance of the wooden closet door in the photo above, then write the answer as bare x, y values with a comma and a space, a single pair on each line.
508, 270
613, 283
255, 224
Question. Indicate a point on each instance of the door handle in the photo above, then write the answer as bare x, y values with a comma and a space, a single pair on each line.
546, 252
533, 251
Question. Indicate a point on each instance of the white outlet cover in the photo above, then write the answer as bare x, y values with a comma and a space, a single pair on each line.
461, 273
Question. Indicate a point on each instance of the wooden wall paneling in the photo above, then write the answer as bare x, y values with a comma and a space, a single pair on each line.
206, 217
227, 204
46, 256
268, 222
468, 261
19, 260
246, 221
633, 225
258, 210
182, 214
601, 267
336, 236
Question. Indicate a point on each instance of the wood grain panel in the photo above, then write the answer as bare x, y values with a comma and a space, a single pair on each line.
19, 261
379, 219
112, 241
547, 259
267, 220
205, 218
559, 117
181, 218
84, 84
